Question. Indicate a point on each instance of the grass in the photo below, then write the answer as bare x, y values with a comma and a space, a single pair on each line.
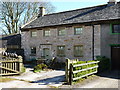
88, 78
5, 79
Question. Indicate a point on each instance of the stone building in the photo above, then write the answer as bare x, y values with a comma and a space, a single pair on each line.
83, 34
11, 44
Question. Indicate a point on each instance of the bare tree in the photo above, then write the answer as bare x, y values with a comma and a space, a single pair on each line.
15, 14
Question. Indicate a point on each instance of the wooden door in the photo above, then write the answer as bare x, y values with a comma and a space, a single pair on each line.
46, 53
115, 57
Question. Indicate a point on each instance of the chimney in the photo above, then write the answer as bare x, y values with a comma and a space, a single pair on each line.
41, 11
112, 2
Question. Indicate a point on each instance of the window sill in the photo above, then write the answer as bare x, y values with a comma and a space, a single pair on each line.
78, 34
78, 56
61, 55
32, 54
34, 37
115, 33
46, 36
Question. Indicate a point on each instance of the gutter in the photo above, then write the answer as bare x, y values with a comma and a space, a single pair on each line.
93, 41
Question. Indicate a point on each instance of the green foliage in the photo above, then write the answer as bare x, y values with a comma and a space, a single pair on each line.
104, 63
79, 74
40, 67
6, 79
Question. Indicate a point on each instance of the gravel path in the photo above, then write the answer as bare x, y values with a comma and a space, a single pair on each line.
38, 80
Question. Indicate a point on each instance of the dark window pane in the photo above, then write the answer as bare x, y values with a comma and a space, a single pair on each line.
33, 50
116, 28
61, 50
78, 50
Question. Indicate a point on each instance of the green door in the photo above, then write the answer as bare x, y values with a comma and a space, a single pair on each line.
46, 53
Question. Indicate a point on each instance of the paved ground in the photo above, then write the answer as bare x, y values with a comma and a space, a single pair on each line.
29, 79
55, 78
104, 80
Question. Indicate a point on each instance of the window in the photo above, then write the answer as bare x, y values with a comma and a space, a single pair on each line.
78, 30
61, 32
78, 50
33, 33
61, 51
13, 46
33, 50
115, 28
46, 33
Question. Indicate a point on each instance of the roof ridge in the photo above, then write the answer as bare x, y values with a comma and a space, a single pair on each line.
72, 16
28, 22
76, 9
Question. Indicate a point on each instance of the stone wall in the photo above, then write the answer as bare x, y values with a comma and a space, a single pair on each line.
97, 41
107, 38
69, 40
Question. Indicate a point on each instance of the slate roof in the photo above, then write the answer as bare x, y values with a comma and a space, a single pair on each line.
90, 14
14, 39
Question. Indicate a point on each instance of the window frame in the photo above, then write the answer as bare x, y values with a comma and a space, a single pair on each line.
32, 33
75, 51
75, 30
61, 30
44, 34
111, 28
58, 54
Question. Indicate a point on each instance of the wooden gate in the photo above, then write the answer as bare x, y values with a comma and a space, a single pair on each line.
76, 70
10, 66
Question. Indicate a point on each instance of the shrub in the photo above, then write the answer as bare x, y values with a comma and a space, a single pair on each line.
104, 63
40, 67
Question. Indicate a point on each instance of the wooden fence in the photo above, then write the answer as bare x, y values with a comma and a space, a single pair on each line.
70, 70
10, 65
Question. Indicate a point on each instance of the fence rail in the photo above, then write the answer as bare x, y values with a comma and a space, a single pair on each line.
10, 65
70, 70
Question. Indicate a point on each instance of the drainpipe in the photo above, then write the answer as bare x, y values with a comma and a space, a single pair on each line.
93, 42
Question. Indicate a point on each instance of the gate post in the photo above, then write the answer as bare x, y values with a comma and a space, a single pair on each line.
71, 74
20, 63
67, 70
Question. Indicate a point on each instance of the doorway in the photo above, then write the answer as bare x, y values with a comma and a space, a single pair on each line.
115, 57
46, 53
